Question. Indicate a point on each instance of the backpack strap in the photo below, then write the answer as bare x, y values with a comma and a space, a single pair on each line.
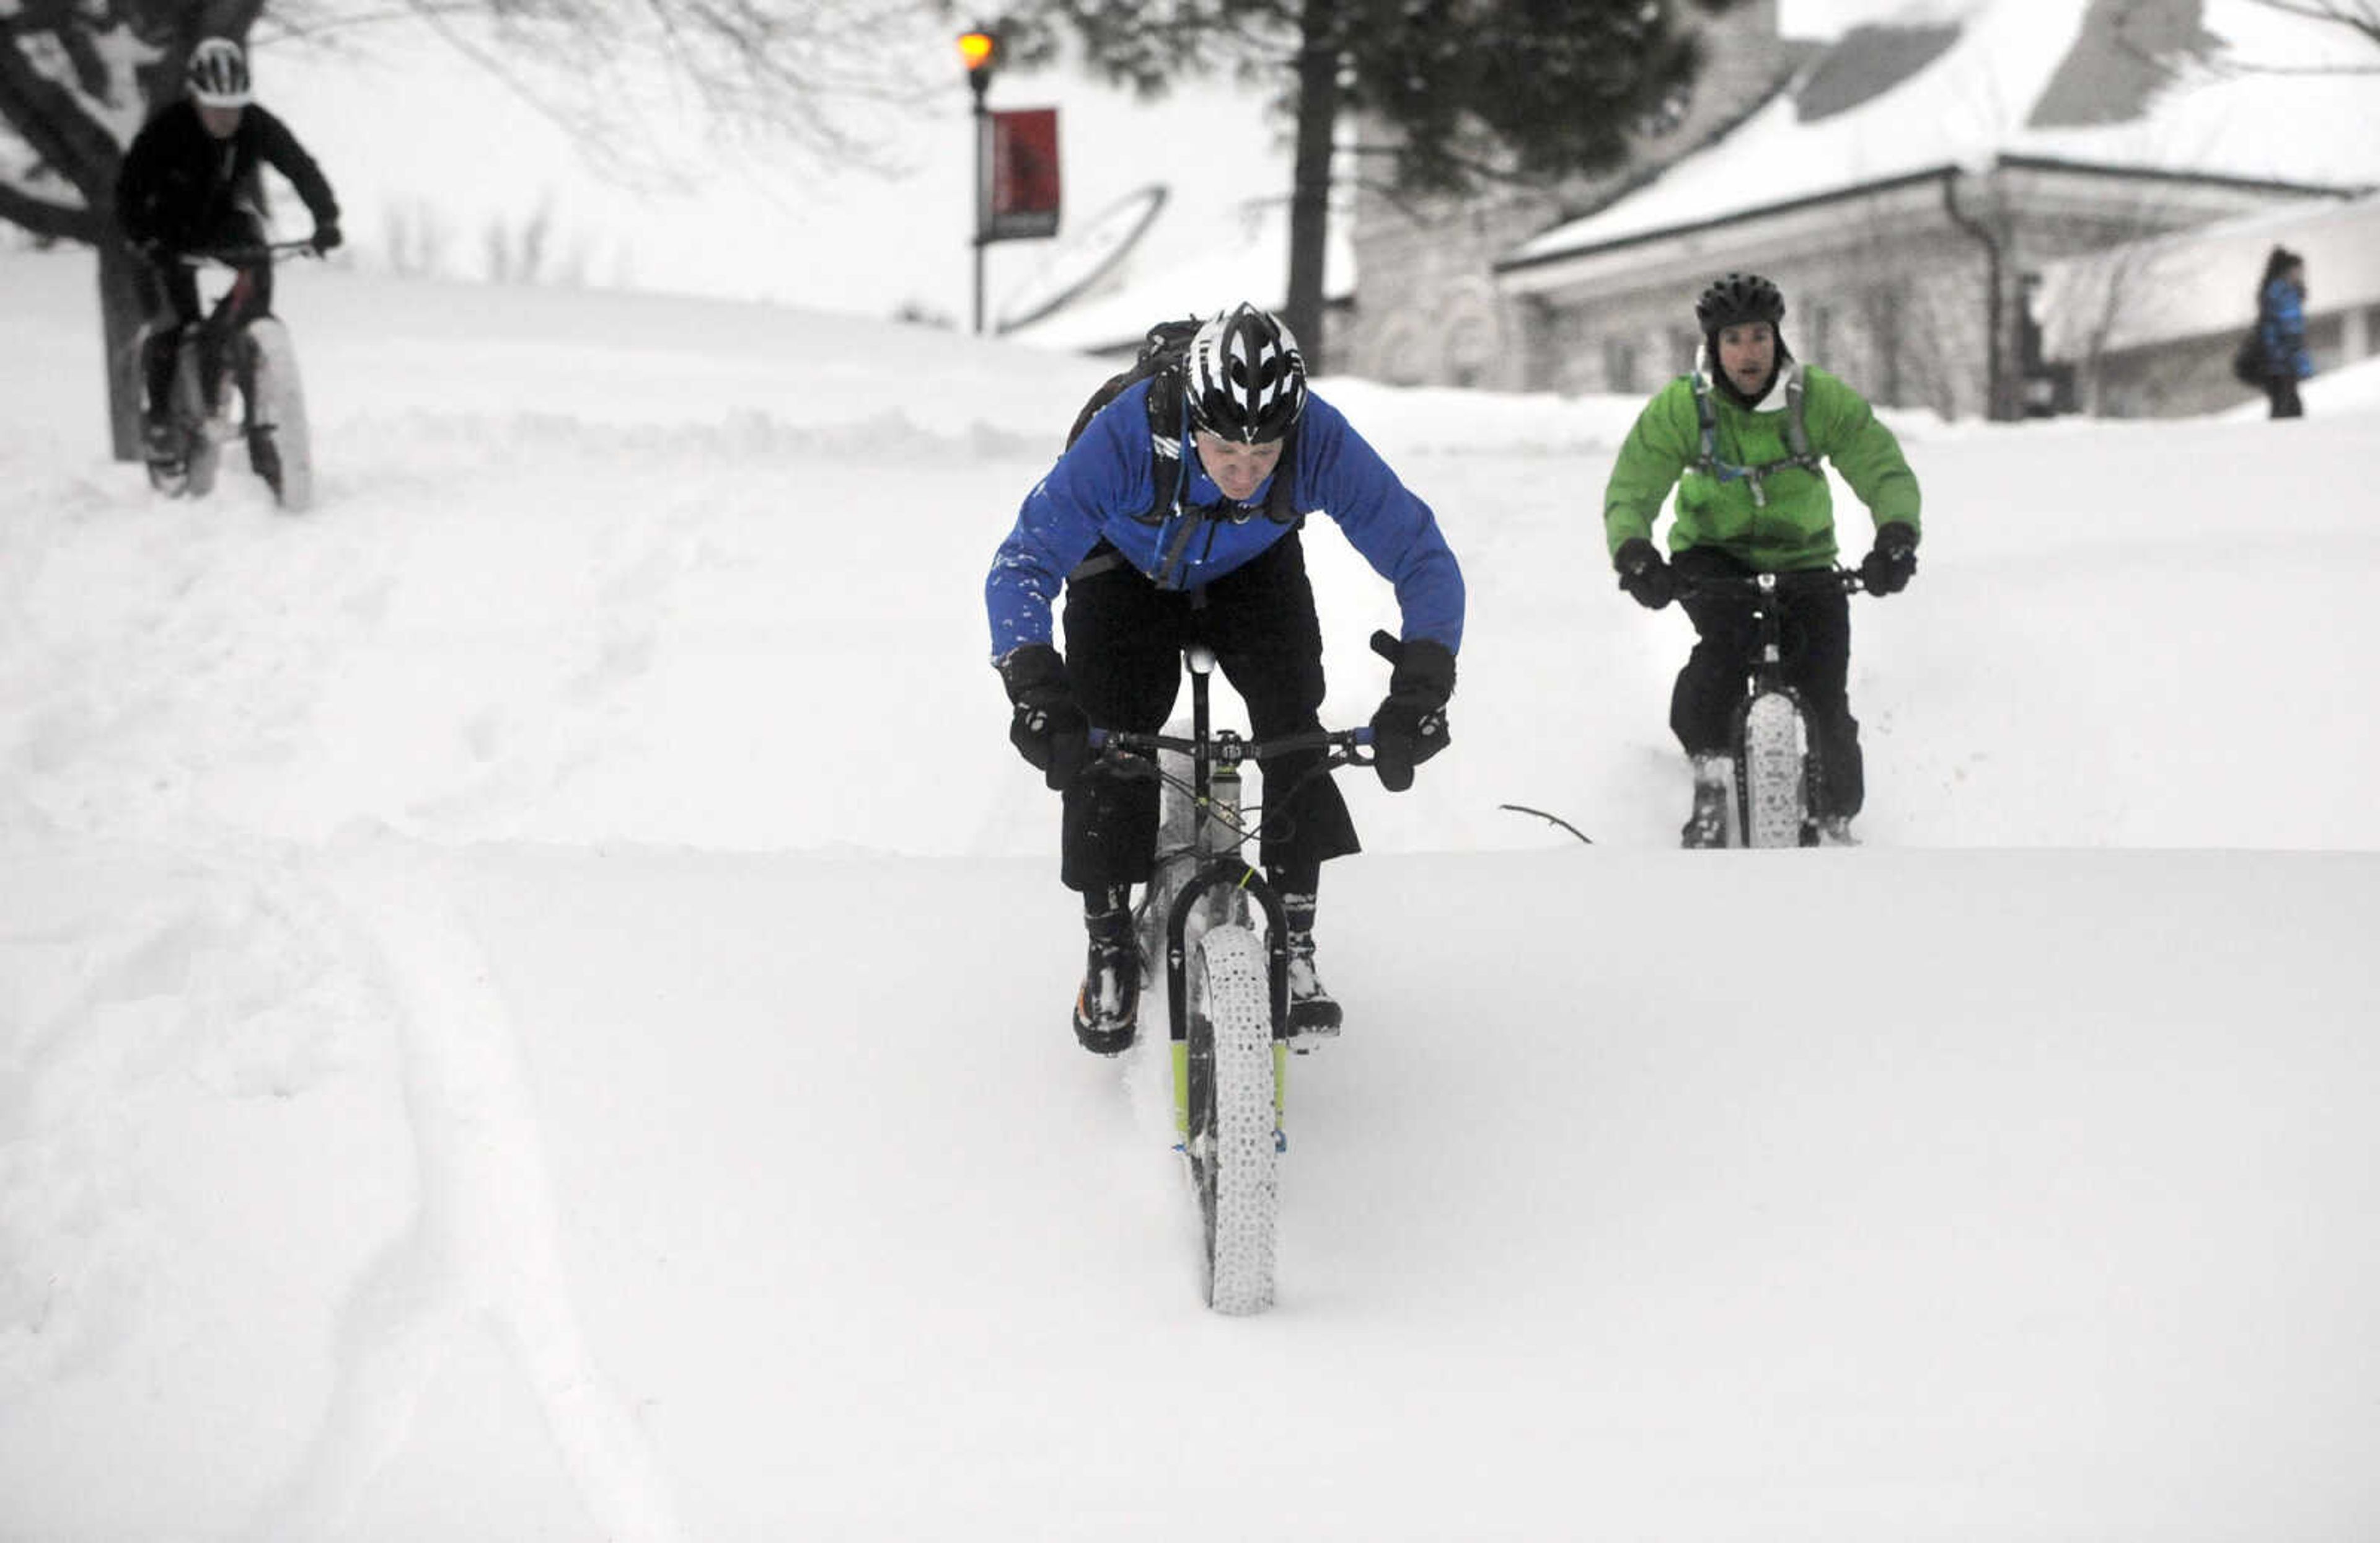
1797, 438
1168, 425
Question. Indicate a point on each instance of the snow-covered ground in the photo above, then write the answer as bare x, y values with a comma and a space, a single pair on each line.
532, 998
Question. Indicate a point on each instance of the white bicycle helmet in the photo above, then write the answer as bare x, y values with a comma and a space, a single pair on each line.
218, 74
1245, 379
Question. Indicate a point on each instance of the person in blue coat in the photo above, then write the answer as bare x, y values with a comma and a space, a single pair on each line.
1148, 559
2280, 324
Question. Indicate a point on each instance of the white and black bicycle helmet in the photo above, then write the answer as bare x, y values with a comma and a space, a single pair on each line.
1244, 378
218, 74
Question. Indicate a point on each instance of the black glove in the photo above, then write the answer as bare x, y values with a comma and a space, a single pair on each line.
326, 237
1047, 729
1643, 574
1892, 562
1410, 727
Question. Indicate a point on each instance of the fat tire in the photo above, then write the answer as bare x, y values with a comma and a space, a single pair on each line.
201, 455
1771, 792
1234, 1130
277, 403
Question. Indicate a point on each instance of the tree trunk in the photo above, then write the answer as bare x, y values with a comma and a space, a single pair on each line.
121, 310
1309, 198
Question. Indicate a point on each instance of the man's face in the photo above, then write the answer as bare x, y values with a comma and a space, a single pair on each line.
1747, 351
1238, 469
220, 122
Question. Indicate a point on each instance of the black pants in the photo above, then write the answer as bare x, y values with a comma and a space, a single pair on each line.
1815, 655
2283, 391
174, 306
1124, 638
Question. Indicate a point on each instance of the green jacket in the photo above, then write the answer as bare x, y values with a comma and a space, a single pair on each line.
1796, 527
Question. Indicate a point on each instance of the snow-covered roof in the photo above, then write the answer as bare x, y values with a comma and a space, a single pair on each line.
2013, 86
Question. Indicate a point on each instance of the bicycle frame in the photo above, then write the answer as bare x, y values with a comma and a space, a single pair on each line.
211, 335
1215, 756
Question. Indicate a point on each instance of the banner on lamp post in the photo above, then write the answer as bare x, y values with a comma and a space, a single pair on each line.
1018, 192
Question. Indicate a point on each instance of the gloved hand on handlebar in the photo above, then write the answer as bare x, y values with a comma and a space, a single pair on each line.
1643, 574
1892, 562
1047, 729
1410, 727
326, 237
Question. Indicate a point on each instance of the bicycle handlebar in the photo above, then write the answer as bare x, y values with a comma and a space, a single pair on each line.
1801, 580
1227, 748
244, 257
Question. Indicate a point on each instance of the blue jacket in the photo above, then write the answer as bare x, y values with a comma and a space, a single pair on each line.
1102, 487
2280, 321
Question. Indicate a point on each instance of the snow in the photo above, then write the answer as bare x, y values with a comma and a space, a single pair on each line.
1248, 259
532, 997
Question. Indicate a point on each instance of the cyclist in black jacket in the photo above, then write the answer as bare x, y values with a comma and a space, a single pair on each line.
191, 180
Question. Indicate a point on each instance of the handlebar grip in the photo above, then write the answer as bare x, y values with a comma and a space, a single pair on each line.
1386, 645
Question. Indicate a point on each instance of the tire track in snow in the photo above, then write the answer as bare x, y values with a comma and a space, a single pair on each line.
484, 1254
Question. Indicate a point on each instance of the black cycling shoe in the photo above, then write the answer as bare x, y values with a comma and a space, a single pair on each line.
1107, 1010
1313, 1013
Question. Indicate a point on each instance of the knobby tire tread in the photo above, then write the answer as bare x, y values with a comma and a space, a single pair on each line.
1769, 778
1234, 1134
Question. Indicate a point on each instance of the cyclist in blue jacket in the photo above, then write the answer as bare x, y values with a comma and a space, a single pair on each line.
1219, 562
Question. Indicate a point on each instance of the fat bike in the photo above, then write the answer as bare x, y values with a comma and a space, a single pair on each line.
1226, 979
1774, 765
235, 353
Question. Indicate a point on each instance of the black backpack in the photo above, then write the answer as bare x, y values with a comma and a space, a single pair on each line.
1161, 354
2248, 361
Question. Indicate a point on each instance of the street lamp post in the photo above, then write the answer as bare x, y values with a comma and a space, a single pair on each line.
979, 49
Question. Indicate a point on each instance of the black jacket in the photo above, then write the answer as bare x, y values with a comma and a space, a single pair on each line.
179, 183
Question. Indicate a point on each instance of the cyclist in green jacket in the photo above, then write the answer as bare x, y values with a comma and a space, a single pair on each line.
1742, 439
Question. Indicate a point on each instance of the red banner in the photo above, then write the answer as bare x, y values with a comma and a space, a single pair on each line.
1017, 187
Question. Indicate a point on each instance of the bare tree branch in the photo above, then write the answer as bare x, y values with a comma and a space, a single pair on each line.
2358, 15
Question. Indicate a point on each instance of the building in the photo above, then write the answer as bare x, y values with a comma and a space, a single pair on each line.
2147, 328
1908, 184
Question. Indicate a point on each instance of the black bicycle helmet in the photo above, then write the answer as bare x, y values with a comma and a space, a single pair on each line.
1738, 299
1244, 378
218, 74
